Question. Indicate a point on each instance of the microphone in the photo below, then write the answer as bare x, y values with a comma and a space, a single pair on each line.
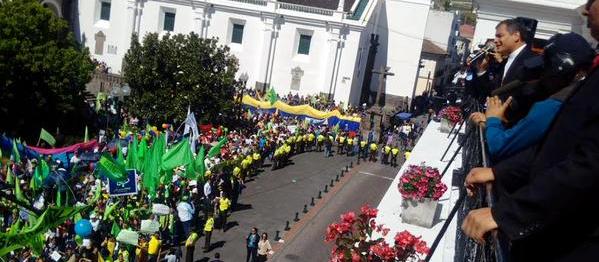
488, 48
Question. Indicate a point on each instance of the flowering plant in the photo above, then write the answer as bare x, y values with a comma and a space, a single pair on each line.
419, 182
354, 242
451, 113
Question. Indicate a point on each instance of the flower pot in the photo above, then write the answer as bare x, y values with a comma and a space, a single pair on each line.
419, 212
446, 125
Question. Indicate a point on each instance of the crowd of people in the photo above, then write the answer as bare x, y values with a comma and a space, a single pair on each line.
196, 205
542, 127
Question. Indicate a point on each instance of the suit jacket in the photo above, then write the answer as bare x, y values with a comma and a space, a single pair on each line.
548, 194
517, 68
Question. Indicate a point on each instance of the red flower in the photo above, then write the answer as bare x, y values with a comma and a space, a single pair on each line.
404, 239
421, 247
419, 182
349, 217
331, 232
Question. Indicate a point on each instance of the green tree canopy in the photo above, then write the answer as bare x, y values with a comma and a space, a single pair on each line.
167, 75
43, 71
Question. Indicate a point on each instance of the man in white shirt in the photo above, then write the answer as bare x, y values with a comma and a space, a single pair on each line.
185, 211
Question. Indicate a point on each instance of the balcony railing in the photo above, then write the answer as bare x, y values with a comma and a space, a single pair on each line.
253, 2
474, 154
305, 9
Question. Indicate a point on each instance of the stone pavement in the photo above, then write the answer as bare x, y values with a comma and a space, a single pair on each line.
272, 199
365, 184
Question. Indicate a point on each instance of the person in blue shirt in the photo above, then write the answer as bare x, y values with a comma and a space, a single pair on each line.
556, 84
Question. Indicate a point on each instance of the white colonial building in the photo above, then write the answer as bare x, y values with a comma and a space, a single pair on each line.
554, 16
297, 46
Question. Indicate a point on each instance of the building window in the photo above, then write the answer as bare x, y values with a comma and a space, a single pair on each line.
169, 21
304, 44
237, 36
111, 49
105, 11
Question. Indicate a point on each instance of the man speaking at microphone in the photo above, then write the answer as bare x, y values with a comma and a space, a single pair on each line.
511, 51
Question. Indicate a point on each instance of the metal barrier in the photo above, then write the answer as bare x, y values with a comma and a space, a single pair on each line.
474, 154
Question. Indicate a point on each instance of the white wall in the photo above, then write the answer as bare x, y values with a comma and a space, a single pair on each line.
401, 28
553, 16
440, 28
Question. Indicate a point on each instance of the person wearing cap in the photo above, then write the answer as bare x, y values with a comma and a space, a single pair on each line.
223, 207
154, 248
548, 192
554, 86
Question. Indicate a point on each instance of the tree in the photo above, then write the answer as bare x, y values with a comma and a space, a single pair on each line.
167, 75
43, 71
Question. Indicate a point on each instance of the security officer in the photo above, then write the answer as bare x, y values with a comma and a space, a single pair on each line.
394, 153
373, 149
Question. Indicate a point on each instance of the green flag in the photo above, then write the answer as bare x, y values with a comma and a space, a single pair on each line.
18, 192
58, 199
10, 179
30, 236
132, 154
40, 173
107, 167
200, 166
215, 150
142, 148
152, 164
115, 229
179, 155
271, 96
46, 136
16, 157
109, 209
86, 136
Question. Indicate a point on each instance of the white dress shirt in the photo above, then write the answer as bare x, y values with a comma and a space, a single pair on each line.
511, 58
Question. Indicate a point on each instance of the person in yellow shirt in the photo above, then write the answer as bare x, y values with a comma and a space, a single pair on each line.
190, 246
386, 152
208, 227
373, 150
407, 155
363, 151
311, 141
223, 207
394, 153
341, 144
319, 143
154, 247
350, 146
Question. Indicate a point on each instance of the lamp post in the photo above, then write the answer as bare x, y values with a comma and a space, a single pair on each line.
244, 79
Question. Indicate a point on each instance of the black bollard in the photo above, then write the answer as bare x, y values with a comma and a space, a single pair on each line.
332, 185
358, 160
326, 188
312, 202
287, 226
342, 173
337, 178
305, 209
351, 164
346, 168
319, 194
296, 217
277, 237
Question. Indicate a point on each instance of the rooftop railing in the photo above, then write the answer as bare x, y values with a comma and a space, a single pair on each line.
306, 9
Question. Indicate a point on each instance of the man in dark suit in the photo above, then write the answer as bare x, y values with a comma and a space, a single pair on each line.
506, 65
548, 194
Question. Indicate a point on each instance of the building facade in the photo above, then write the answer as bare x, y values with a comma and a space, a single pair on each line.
553, 17
306, 47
